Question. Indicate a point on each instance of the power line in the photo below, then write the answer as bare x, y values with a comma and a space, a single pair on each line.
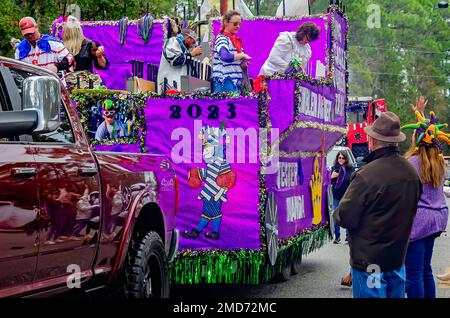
394, 74
390, 49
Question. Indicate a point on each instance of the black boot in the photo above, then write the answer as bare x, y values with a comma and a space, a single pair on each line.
213, 235
192, 234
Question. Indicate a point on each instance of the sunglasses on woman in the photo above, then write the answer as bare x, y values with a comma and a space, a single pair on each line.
341, 158
236, 23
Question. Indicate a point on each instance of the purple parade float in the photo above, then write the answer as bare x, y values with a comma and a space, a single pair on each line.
251, 172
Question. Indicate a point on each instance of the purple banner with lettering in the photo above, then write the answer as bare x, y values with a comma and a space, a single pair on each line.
173, 128
340, 61
120, 56
291, 187
259, 36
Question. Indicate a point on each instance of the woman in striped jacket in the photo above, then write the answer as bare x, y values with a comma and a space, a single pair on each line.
230, 61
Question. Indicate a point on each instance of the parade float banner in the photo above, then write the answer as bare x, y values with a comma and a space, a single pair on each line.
316, 114
109, 35
339, 53
174, 126
292, 187
259, 35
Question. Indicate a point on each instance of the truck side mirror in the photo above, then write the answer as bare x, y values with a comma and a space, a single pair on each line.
43, 94
359, 159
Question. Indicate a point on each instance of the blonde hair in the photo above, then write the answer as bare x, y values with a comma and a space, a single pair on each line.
73, 37
431, 163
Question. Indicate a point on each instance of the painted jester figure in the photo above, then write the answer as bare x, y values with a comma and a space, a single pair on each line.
218, 179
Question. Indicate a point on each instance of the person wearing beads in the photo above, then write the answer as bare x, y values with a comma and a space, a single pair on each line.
230, 61
177, 52
42, 49
425, 154
340, 180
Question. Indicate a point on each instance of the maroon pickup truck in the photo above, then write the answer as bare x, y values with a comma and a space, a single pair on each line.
71, 217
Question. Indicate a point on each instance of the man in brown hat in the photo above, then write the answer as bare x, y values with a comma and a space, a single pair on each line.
378, 210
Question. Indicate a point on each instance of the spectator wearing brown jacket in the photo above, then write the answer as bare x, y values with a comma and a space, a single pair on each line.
378, 210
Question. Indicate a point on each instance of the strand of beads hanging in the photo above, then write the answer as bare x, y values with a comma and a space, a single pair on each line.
123, 26
145, 27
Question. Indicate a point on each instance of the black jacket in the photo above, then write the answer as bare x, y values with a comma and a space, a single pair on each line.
340, 188
86, 57
378, 209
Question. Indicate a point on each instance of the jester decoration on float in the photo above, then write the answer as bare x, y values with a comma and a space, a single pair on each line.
218, 179
428, 131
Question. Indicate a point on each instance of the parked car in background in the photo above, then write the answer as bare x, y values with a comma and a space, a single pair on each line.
356, 163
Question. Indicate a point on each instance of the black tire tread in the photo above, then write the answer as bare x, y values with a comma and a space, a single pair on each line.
135, 264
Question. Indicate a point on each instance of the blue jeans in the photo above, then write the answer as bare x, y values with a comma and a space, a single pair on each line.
225, 86
337, 228
389, 284
419, 275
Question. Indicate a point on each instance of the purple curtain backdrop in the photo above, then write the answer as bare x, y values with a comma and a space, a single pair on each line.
281, 107
240, 222
120, 56
259, 36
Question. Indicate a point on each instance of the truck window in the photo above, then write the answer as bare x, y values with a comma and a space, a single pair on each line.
1, 109
64, 133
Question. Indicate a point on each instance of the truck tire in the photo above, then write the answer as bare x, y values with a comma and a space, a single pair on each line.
146, 269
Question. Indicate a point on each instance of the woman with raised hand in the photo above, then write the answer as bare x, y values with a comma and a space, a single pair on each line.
431, 218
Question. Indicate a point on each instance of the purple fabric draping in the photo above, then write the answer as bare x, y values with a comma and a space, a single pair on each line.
281, 107
240, 223
259, 36
120, 56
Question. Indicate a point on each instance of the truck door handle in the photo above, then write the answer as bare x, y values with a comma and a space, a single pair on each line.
23, 172
87, 172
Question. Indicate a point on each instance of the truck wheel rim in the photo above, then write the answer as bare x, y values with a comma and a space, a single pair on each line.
272, 228
153, 278
148, 283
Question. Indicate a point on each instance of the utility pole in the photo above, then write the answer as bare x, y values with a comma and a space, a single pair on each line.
223, 6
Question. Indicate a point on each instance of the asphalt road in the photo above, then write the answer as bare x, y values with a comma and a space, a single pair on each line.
319, 277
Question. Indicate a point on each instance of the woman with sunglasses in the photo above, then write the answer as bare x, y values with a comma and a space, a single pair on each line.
340, 180
291, 49
230, 61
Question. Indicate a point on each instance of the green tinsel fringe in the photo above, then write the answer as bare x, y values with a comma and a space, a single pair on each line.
217, 267
242, 266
